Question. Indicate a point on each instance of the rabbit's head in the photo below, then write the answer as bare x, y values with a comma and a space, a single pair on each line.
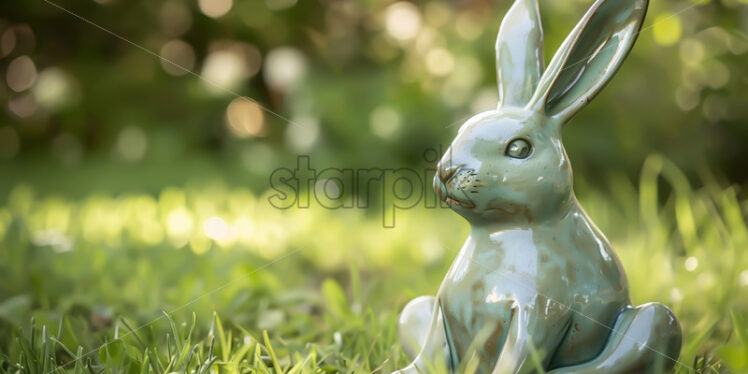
509, 164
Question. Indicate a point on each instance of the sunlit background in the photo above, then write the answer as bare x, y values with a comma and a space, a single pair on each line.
137, 139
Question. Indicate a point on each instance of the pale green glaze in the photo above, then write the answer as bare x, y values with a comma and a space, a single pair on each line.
535, 272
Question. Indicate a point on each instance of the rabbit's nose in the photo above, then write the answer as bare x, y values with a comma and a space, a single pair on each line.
443, 175
446, 173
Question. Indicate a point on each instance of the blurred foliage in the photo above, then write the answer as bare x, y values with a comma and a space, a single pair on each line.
354, 83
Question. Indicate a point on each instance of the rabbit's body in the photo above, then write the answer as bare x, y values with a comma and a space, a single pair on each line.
536, 285
516, 276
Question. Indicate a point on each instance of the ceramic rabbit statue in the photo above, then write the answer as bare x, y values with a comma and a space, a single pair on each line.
536, 275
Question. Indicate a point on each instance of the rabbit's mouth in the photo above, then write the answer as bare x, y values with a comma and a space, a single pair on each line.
456, 178
462, 182
442, 191
465, 204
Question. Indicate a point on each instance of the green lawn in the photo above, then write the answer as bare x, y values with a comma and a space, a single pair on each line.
134, 283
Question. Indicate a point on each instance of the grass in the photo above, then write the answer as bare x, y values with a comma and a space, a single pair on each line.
212, 279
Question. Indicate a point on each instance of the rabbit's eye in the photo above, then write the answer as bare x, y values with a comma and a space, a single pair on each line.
518, 148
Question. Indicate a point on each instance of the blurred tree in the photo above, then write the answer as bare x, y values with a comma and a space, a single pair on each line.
140, 94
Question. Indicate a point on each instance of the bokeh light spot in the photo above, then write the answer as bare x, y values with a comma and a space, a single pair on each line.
328, 189
132, 144
216, 228
179, 226
178, 57
22, 106
687, 99
54, 89
468, 26
21, 73
676, 295
385, 122
223, 69
175, 17
403, 20
254, 59
427, 39
215, 8
691, 51
250, 56
667, 29
245, 227
717, 74
691, 263
744, 278
431, 250
23, 39
437, 14
244, 118
7, 42
284, 68
200, 244
439, 62
301, 135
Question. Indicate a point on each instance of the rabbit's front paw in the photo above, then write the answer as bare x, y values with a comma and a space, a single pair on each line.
645, 339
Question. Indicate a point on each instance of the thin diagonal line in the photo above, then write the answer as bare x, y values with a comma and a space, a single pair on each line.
575, 63
186, 70
130, 332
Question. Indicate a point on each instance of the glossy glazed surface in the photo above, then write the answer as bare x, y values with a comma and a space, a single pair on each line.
535, 274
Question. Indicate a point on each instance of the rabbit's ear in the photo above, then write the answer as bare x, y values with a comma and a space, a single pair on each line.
589, 57
519, 53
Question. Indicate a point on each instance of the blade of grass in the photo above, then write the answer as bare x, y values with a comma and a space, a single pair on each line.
269, 347
174, 332
223, 344
133, 333
146, 362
